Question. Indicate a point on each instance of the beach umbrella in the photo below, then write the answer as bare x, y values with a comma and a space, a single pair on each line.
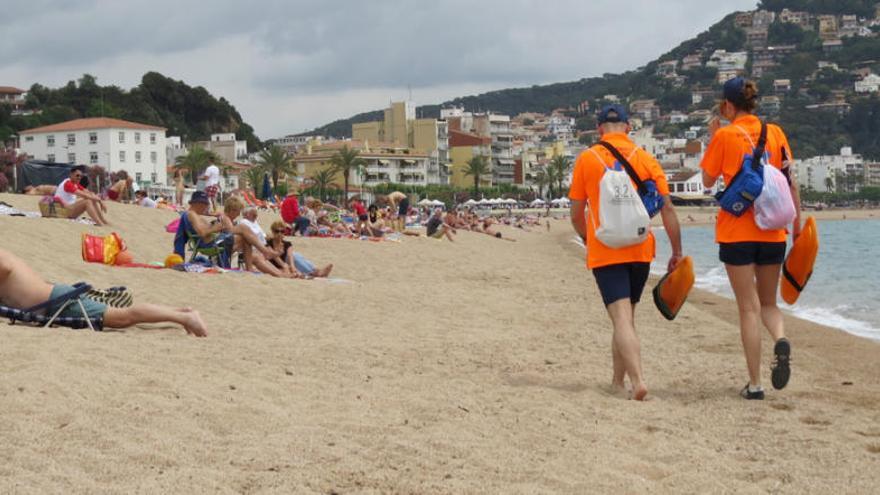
425, 202
538, 202
437, 202
267, 189
510, 201
470, 202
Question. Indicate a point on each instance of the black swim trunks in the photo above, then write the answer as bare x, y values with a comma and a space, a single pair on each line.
748, 253
403, 207
621, 281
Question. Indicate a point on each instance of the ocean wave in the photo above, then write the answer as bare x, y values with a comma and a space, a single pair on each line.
834, 317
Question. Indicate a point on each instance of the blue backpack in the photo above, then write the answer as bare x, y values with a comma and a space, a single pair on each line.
746, 185
651, 197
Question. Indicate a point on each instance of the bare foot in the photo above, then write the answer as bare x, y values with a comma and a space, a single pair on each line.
194, 324
323, 272
639, 391
618, 390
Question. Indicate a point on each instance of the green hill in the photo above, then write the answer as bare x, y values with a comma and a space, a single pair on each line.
813, 129
190, 112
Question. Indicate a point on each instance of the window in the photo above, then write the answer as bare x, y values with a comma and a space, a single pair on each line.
50, 158
137, 138
121, 136
50, 140
152, 157
93, 138
152, 138
93, 157
137, 155
121, 156
71, 139
71, 158
153, 177
28, 139
137, 177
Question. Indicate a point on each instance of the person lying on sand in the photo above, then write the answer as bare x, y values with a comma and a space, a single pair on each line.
41, 190
488, 230
21, 287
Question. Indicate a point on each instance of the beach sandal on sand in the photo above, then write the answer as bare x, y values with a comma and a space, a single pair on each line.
781, 370
115, 297
749, 395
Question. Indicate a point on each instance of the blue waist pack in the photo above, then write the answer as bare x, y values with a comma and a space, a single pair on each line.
651, 197
746, 185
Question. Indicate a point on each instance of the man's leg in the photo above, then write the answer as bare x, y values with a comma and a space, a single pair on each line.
153, 313
99, 212
742, 281
621, 313
77, 209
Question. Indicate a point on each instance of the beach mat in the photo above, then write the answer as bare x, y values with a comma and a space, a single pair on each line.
672, 290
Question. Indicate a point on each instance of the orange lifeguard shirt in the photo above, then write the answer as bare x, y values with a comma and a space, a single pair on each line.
588, 171
724, 156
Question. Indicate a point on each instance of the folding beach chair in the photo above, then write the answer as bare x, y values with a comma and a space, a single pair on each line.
214, 252
37, 315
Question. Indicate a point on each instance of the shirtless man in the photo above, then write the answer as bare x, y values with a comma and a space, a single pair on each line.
41, 190
21, 287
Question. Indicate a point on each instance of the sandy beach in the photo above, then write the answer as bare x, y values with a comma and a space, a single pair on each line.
479, 366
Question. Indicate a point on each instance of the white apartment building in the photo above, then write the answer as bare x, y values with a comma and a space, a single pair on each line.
114, 144
828, 173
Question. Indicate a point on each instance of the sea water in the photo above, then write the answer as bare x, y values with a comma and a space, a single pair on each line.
844, 291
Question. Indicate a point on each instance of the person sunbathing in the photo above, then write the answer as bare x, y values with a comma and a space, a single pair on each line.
250, 240
41, 190
488, 230
291, 261
21, 287
77, 200
119, 190
437, 228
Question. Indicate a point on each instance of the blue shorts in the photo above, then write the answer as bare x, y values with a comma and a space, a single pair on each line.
748, 253
621, 281
94, 308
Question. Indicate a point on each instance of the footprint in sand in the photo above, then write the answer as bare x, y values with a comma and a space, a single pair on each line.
874, 448
809, 420
782, 407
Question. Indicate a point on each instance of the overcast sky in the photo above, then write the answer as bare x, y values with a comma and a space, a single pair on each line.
289, 66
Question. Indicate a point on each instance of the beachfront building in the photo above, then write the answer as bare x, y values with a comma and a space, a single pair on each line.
400, 127
385, 163
844, 172
293, 143
114, 144
226, 147
463, 146
497, 128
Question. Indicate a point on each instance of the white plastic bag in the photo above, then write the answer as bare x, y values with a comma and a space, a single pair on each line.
623, 219
774, 207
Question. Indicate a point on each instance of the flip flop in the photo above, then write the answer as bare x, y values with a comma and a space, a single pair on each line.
781, 371
115, 297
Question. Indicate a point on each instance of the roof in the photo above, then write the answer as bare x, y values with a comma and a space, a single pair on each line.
92, 123
682, 176
11, 90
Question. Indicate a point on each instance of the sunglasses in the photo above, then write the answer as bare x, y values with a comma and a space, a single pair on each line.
277, 231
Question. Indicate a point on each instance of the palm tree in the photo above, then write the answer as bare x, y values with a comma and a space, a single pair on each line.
322, 180
345, 161
254, 177
558, 169
541, 180
276, 162
196, 161
477, 167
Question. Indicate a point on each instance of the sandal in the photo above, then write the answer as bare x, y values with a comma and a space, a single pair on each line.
781, 370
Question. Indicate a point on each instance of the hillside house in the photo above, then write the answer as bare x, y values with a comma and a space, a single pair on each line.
801, 19
828, 27
763, 19
692, 61
781, 85
646, 109
868, 84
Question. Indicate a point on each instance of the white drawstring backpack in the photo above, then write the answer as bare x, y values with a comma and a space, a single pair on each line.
623, 219
774, 207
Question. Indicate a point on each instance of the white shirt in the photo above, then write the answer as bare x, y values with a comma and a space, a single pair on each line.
66, 198
255, 228
147, 202
212, 176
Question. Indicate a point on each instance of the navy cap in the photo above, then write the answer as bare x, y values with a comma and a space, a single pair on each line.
733, 90
612, 113
199, 197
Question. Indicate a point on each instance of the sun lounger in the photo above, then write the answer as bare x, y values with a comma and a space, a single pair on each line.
37, 315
